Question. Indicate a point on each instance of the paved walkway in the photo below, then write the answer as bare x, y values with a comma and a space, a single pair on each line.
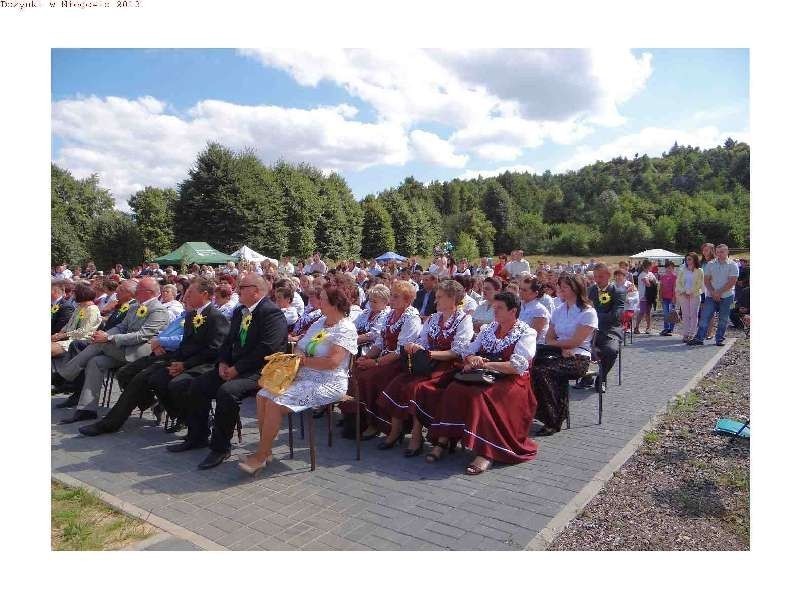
384, 501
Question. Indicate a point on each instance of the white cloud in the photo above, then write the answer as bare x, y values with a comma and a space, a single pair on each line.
455, 85
475, 173
430, 148
133, 143
499, 102
651, 141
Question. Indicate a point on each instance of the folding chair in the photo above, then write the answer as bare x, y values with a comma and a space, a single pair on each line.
596, 369
108, 385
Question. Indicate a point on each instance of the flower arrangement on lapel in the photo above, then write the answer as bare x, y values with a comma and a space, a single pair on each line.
246, 322
311, 349
124, 308
55, 308
142, 311
198, 321
81, 314
604, 297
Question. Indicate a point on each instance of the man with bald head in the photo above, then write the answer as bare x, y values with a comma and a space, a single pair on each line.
124, 343
258, 329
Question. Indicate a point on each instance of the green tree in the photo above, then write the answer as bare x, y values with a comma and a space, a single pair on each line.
466, 247
152, 210
664, 232
574, 238
530, 233
499, 209
114, 238
378, 235
75, 204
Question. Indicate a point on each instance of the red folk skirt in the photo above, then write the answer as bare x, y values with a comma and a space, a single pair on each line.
491, 420
370, 384
408, 396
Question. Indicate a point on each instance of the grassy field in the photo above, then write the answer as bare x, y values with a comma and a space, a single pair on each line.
79, 521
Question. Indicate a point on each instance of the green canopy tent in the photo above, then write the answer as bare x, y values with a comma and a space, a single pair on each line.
195, 252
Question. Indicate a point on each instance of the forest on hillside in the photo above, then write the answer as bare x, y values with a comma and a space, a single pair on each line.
676, 201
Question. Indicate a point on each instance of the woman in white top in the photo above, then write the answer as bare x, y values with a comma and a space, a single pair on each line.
370, 321
285, 267
571, 330
491, 420
325, 352
84, 321
382, 362
463, 268
534, 312
689, 289
484, 314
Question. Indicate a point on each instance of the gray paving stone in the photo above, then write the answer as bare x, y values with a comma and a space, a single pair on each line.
383, 501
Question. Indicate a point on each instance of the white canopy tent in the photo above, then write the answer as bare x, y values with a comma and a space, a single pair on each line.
251, 255
657, 254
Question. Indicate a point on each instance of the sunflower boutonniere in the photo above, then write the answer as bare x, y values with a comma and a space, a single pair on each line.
604, 297
81, 314
311, 349
124, 308
198, 321
141, 311
55, 308
244, 327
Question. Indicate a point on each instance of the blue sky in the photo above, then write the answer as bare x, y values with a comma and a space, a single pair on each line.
139, 117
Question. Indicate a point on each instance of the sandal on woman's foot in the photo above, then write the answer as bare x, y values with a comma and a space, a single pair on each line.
433, 455
473, 469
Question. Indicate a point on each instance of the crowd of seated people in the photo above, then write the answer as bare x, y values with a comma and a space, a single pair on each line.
178, 341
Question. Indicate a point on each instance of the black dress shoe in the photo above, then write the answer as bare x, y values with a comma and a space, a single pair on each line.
186, 445
93, 429
409, 453
69, 402
79, 415
176, 426
214, 459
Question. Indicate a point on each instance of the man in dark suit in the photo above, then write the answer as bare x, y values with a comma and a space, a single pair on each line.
609, 302
151, 376
61, 306
258, 329
425, 302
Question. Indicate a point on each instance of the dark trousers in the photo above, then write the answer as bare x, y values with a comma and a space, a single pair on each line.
229, 395
606, 348
137, 391
174, 392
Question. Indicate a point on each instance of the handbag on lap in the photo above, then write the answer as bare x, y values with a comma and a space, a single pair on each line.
418, 363
279, 372
481, 376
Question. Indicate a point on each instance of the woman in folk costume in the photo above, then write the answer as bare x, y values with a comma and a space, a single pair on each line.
445, 334
311, 315
370, 320
325, 352
382, 362
491, 420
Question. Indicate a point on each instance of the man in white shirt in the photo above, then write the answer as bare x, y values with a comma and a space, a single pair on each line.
286, 267
720, 279
316, 265
484, 270
517, 264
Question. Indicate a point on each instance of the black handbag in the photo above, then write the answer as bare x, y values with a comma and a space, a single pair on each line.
418, 363
483, 376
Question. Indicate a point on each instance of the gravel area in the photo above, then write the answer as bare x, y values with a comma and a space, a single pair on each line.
686, 488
